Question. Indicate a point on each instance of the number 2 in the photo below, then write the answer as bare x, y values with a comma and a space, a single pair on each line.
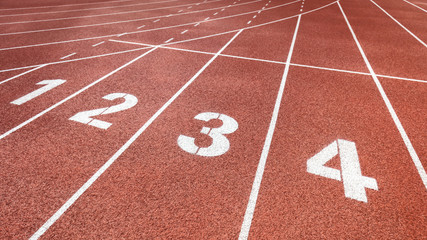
85, 117
220, 143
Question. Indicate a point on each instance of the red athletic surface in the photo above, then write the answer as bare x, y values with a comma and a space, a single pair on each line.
155, 189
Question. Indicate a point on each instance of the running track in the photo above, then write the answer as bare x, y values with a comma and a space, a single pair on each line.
214, 119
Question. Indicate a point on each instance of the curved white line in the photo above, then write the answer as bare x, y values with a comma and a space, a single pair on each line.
107, 14
135, 32
187, 40
118, 22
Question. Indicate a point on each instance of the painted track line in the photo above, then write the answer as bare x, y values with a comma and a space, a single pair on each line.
411, 150
247, 221
407, 30
69, 55
85, 9
65, 5
94, 45
107, 14
422, 9
72, 95
169, 27
100, 171
22, 74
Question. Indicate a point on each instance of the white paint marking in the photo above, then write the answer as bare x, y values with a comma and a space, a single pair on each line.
64, 5
197, 24
22, 74
170, 39
122, 34
180, 11
215, 13
72, 96
246, 225
49, 85
110, 161
189, 7
222, 9
68, 56
184, 31
140, 27
407, 30
422, 9
263, 8
156, 20
259, 11
94, 45
207, 18
411, 150
248, 22
254, 16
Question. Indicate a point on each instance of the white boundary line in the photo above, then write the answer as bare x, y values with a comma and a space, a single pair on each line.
86, 9
22, 74
411, 150
105, 14
407, 30
101, 170
175, 26
65, 5
246, 225
72, 95
422, 9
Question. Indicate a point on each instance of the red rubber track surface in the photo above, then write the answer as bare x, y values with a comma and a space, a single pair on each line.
295, 76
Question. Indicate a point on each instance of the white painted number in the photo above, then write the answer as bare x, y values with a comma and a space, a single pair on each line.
85, 116
50, 84
354, 182
220, 143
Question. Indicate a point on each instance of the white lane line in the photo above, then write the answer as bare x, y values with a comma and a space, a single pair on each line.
180, 11
156, 20
222, 9
81, 10
248, 22
21, 74
407, 30
140, 27
215, 13
411, 150
170, 39
189, 7
94, 45
250, 209
254, 16
121, 34
115, 13
422, 9
207, 18
69, 55
184, 31
65, 5
72, 96
197, 24
181, 25
110, 161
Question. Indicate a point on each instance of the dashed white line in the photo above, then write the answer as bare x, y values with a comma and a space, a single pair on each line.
156, 20
189, 7
254, 16
222, 9
170, 39
184, 31
140, 27
249, 22
207, 18
215, 13
94, 45
121, 34
122, 149
180, 11
68, 56
197, 24
247, 221
399, 126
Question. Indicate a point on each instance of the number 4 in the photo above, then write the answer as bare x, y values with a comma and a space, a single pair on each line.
354, 182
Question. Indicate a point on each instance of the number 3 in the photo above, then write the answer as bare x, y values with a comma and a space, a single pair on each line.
220, 143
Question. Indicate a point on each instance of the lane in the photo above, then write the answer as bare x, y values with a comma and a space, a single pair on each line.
320, 107
46, 4
409, 101
49, 159
390, 50
157, 189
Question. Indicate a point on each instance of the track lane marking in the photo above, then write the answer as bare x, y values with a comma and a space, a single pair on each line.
69, 55
407, 30
405, 138
73, 95
101, 15
111, 23
65, 5
85, 9
22, 74
422, 9
94, 45
180, 25
247, 220
101, 170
